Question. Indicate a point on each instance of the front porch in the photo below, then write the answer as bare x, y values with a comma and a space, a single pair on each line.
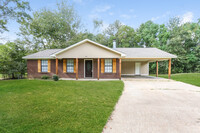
94, 68
88, 68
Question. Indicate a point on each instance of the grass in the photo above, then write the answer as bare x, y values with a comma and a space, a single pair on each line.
63, 106
191, 78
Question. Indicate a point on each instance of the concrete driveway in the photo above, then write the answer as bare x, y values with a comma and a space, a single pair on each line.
156, 106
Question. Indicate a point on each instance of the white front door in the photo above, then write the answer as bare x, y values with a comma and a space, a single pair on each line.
137, 68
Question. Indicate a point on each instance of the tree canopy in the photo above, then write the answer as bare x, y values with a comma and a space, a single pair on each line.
61, 27
13, 9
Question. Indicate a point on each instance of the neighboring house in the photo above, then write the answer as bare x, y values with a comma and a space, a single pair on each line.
88, 59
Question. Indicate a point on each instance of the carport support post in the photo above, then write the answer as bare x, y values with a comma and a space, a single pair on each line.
120, 69
98, 69
156, 68
56, 66
76, 68
169, 69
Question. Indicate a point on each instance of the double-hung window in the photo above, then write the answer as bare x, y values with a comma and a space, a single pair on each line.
70, 65
108, 66
44, 65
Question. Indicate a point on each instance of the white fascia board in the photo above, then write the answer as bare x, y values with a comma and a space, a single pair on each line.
37, 58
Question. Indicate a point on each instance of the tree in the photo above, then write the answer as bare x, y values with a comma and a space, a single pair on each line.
97, 24
148, 33
12, 9
127, 37
183, 41
11, 62
52, 28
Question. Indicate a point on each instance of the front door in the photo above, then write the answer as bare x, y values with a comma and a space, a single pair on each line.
137, 68
88, 68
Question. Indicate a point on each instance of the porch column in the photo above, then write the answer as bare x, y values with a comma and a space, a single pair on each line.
120, 69
156, 68
76, 68
98, 69
169, 69
56, 66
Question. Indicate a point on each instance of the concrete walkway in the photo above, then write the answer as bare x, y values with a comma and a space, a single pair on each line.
156, 106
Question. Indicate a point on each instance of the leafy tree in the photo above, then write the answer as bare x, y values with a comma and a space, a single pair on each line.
11, 63
127, 37
112, 29
148, 33
183, 41
97, 24
12, 9
52, 28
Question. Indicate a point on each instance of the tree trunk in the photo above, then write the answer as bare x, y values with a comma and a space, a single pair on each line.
13, 76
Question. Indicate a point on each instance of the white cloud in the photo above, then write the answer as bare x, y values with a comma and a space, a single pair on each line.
131, 10
111, 13
102, 8
125, 16
134, 16
94, 16
160, 17
155, 18
7, 36
187, 17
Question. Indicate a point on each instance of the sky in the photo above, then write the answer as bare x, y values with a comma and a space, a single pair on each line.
129, 12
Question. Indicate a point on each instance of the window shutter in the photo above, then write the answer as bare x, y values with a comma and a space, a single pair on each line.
64, 65
114, 65
74, 65
102, 65
49, 66
39, 66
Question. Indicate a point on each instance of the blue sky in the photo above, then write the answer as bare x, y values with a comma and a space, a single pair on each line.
129, 12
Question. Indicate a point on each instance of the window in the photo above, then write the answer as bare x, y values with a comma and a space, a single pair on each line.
70, 65
108, 65
44, 65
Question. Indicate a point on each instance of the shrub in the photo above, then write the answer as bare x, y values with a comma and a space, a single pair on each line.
45, 77
55, 77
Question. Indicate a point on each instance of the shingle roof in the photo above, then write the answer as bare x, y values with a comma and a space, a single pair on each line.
145, 53
42, 54
129, 52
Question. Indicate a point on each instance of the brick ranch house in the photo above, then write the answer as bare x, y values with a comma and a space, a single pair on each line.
88, 59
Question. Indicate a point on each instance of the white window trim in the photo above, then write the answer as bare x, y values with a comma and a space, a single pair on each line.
105, 66
66, 66
47, 66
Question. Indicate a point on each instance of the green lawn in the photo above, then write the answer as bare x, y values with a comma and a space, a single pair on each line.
63, 106
191, 78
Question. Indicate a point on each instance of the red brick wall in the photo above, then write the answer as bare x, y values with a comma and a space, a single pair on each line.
110, 75
32, 69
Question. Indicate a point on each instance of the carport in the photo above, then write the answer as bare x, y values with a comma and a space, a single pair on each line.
133, 67
136, 61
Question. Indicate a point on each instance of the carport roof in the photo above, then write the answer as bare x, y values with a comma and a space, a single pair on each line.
145, 53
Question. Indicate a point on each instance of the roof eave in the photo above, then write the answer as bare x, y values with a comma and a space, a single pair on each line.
37, 58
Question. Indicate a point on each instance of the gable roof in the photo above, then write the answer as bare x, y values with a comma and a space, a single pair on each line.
84, 41
145, 53
124, 52
45, 54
